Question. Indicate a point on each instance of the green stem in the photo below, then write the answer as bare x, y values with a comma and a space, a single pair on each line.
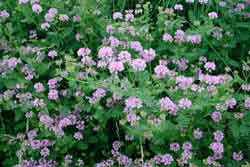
142, 153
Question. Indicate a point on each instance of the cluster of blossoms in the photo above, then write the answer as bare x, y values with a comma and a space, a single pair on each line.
168, 105
115, 63
167, 159
181, 37
217, 147
160, 159
97, 95
116, 157
59, 124
9, 64
184, 82
130, 104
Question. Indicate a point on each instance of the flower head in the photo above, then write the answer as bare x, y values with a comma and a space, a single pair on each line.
138, 64
213, 15
115, 66
37, 8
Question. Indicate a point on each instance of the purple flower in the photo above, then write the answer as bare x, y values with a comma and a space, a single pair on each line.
187, 146
149, 54
157, 159
124, 56
105, 52
194, 39
182, 64
32, 134
53, 11
167, 37
184, 103
23, 1
132, 118
52, 83
197, 134
77, 18
52, 53
38, 102
180, 36
115, 67
161, 71
231, 103
210, 160
46, 143
147, 164
218, 135
35, 144
64, 123
83, 52
138, 64
213, 15
4, 14
117, 15
136, 45
174, 147
129, 17
44, 152
68, 159
210, 79
80, 125
167, 159
217, 156
12, 62
217, 147
133, 102
247, 103
63, 17
124, 160
216, 116
114, 42
210, 66
178, 7
47, 120
49, 17
186, 154
53, 94
184, 82
78, 136
99, 93
39, 87
37, 8
116, 145
238, 156
168, 105
109, 29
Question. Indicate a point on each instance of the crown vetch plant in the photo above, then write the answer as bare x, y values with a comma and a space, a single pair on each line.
152, 84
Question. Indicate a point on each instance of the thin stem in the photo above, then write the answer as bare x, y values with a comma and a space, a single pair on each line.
142, 153
117, 130
27, 125
2, 122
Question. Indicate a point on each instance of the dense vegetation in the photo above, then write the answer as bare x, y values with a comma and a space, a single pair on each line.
124, 83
